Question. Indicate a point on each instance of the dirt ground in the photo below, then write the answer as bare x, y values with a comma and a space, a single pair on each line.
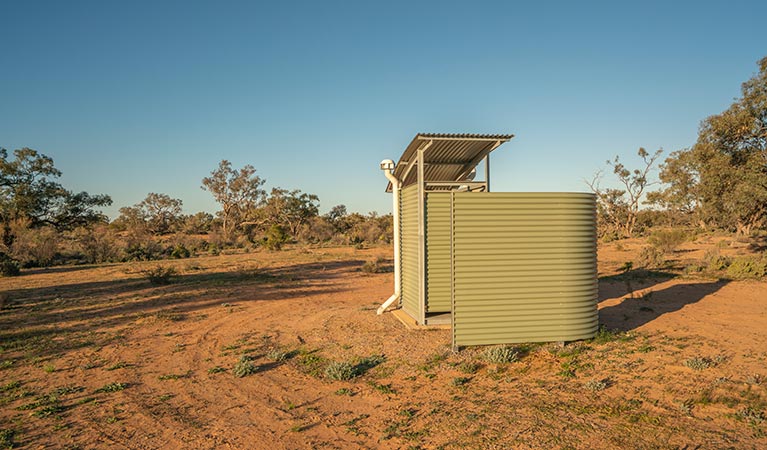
97, 357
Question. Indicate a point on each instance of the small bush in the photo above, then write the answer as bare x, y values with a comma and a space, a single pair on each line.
376, 266
160, 275
9, 267
280, 355
180, 251
651, 258
501, 354
244, 367
112, 387
667, 241
698, 363
595, 385
714, 261
340, 371
6, 438
747, 268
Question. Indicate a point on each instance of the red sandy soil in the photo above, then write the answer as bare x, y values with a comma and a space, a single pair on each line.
67, 332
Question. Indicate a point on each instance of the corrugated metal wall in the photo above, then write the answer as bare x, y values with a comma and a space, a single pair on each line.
524, 267
438, 252
409, 248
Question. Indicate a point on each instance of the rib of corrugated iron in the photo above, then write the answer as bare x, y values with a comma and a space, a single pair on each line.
409, 250
437, 252
524, 267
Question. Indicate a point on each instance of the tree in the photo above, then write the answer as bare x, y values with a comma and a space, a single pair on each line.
28, 192
723, 177
157, 214
237, 191
288, 209
618, 208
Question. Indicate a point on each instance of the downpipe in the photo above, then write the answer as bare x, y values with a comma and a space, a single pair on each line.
387, 166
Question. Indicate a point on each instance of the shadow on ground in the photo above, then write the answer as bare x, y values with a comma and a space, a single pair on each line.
637, 310
30, 318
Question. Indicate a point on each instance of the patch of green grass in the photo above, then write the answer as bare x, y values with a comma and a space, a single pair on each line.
118, 365
345, 391
11, 385
49, 368
6, 364
382, 388
469, 367
750, 415
217, 369
165, 397
604, 336
175, 376
460, 381
112, 387
7, 438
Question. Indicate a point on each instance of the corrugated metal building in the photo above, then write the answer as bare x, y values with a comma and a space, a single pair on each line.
499, 267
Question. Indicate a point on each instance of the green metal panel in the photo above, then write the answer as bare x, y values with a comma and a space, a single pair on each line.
438, 252
524, 267
409, 250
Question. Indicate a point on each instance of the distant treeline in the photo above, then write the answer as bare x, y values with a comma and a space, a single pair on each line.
43, 224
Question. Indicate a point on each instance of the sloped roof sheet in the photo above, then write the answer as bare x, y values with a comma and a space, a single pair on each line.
447, 157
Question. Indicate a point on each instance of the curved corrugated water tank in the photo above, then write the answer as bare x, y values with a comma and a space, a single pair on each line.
524, 267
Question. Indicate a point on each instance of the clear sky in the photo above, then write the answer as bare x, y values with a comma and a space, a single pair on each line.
136, 97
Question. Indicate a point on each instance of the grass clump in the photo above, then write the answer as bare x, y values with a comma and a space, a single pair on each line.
460, 381
501, 354
160, 275
376, 266
217, 369
7, 438
244, 367
698, 363
280, 355
112, 387
750, 415
595, 385
340, 371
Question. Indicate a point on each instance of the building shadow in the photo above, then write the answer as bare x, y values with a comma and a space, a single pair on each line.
638, 309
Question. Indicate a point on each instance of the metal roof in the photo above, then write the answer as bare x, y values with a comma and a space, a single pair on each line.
447, 157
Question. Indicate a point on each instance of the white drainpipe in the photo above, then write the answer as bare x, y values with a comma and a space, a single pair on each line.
387, 166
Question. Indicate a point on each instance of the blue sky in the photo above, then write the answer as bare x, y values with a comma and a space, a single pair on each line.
138, 97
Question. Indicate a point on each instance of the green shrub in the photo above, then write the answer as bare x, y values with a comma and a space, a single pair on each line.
747, 268
180, 251
276, 237
698, 363
501, 354
244, 367
160, 275
9, 267
340, 371
651, 258
667, 241
714, 261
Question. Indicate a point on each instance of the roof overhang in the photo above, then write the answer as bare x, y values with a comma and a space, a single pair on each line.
446, 157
